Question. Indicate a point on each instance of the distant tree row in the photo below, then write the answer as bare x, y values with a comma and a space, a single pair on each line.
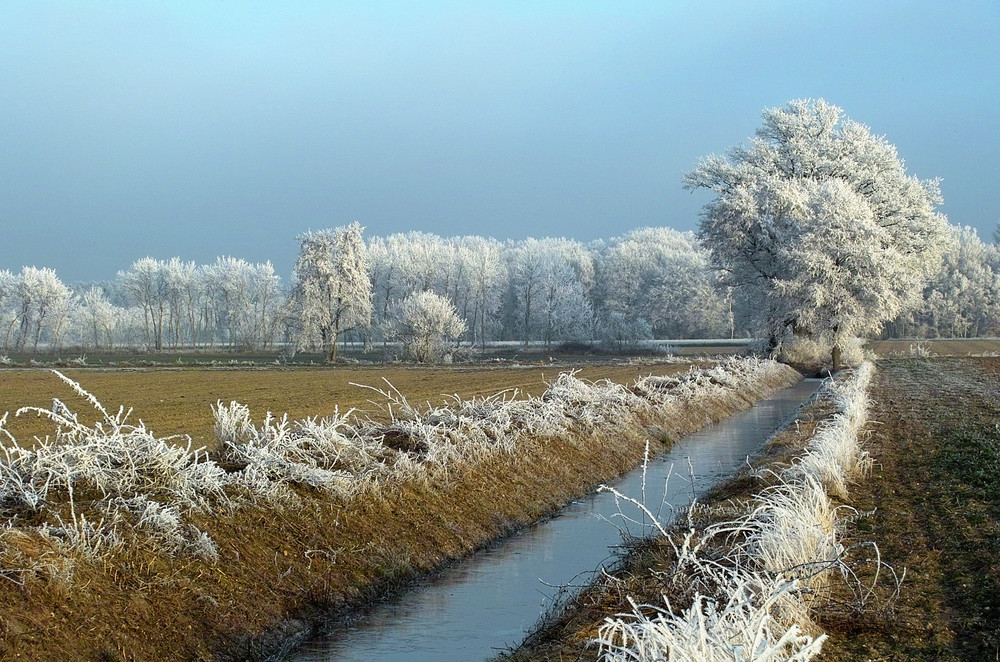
816, 230
153, 305
652, 282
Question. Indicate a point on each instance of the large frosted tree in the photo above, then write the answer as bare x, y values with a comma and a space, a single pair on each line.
333, 288
817, 221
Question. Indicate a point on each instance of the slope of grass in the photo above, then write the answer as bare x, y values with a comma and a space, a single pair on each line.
119, 559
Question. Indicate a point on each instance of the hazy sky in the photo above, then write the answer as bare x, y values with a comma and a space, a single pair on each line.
209, 128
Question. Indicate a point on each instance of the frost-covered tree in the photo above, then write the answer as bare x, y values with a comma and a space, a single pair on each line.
146, 284
246, 301
40, 304
182, 279
425, 323
962, 299
486, 277
332, 293
818, 221
100, 316
8, 309
546, 291
665, 277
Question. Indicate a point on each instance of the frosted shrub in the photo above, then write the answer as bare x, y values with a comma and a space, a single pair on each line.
592, 403
83, 537
733, 374
834, 455
804, 350
112, 457
306, 453
855, 352
136, 481
738, 611
741, 628
165, 526
426, 324
232, 423
793, 531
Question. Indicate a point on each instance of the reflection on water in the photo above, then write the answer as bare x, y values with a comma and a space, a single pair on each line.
488, 602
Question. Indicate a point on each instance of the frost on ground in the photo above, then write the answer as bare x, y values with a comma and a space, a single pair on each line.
137, 488
755, 579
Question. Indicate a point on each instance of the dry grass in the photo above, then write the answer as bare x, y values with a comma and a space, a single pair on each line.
119, 572
178, 401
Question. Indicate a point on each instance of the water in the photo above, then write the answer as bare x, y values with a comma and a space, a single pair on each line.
489, 601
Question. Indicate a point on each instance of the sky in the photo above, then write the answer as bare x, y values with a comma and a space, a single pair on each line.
206, 128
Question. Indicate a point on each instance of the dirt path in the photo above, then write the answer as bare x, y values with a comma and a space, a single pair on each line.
936, 491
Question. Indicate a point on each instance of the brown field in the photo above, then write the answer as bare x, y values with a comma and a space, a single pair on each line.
936, 499
173, 401
937, 347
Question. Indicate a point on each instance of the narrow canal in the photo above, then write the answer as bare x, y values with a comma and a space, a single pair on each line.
488, 602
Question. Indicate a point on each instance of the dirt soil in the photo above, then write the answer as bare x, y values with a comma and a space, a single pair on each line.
936, 494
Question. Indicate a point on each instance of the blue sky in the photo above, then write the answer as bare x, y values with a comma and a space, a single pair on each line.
200, 129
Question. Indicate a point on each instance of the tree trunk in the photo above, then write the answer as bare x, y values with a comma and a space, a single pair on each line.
835, 354
772, 345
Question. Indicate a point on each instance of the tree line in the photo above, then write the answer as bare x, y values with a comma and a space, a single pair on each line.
816, 230
655, 281
651, 282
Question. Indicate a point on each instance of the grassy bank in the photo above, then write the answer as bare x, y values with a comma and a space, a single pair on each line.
743, 575
238, 553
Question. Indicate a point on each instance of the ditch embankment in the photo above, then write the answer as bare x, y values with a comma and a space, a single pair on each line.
931, 505
753, 572
254, 575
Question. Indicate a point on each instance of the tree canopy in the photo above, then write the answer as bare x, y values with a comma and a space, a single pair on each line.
818, 222
333, 289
